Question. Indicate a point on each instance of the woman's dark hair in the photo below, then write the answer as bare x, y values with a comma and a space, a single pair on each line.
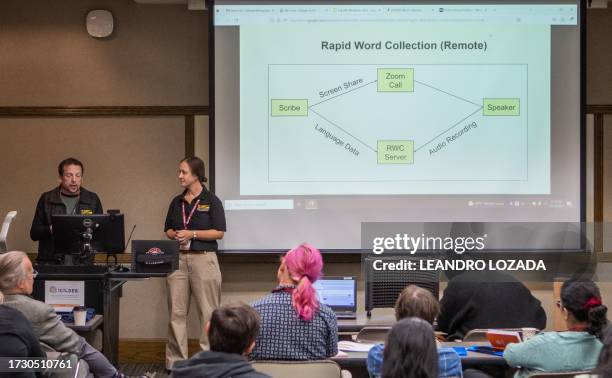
196, 165
410, 351
583, 300
604, 364
233, 328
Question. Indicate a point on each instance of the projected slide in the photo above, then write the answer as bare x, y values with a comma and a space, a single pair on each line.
399, 122
435, 109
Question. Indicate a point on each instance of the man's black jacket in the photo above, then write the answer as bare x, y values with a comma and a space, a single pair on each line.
50, 203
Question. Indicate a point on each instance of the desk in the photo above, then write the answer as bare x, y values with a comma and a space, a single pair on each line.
475, 359
93, 324
353, 326
97, 295
355, 362
111, 283
114, 282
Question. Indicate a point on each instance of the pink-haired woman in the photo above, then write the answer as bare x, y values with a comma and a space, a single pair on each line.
294, 325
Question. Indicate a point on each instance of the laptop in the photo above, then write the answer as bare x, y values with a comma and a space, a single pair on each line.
339, 293
155, 256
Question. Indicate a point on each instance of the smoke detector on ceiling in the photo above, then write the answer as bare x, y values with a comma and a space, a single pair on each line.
99, 23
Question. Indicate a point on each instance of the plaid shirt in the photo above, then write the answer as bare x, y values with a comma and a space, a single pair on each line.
449, 362
284, 336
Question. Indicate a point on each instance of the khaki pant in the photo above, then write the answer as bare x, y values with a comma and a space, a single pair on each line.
198, 274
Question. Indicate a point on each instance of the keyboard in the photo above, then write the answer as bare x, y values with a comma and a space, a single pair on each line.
72, 269
346, 315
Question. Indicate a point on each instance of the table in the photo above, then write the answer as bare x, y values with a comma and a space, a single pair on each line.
114, 282
355, 362
353, 326
475, 359
349, 328
93, 324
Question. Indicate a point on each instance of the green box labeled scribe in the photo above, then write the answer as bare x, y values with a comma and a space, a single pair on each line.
290, 108
501, 107
396, 80
395, 152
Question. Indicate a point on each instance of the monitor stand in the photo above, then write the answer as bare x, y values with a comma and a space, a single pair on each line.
86, 256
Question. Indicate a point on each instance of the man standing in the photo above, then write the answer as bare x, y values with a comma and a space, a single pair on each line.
68, 198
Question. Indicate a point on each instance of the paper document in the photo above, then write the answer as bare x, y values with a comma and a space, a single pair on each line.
351, 346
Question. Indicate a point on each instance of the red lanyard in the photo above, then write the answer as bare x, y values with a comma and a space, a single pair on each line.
187, 220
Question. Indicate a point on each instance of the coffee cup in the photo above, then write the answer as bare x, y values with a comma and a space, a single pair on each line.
80, 315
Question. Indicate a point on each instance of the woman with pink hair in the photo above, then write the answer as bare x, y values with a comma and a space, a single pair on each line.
294, 325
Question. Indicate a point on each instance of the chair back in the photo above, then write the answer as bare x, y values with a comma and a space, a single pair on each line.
479, 334
299, 369
5, 229
476, 335
373, 334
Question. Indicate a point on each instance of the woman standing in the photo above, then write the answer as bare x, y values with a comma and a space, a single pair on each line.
197, 220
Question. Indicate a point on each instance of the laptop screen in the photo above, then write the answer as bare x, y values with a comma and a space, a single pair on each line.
337, 292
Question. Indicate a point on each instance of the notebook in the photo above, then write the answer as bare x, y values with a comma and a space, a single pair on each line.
500, 338
339, 293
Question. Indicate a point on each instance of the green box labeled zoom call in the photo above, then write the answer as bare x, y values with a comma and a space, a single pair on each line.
396, 80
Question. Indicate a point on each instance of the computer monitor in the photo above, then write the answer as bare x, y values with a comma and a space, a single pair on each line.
339, 293
84, 235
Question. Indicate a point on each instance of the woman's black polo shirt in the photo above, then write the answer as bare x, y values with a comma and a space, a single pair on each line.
209, 215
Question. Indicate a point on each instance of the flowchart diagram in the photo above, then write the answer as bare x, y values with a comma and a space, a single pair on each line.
400, 122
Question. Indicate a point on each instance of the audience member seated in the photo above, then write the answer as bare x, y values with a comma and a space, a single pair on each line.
231, 332
420, 303
410, 350
294, 325
16, 283
604, 363
578, 348
17, 338
475, 300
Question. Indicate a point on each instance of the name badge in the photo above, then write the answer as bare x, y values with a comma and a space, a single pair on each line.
86, 212
204, 208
